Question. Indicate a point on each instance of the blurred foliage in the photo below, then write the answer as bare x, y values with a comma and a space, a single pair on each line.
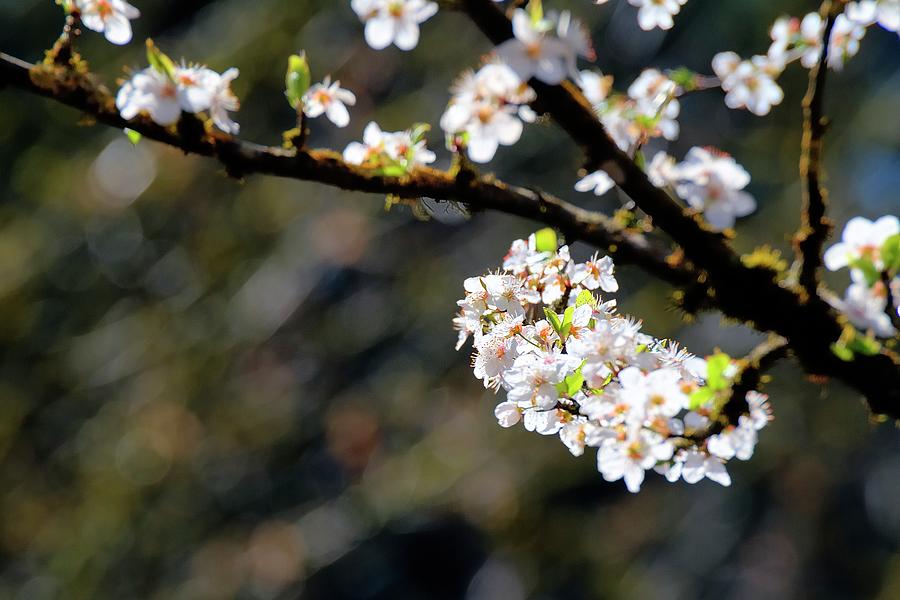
221, 389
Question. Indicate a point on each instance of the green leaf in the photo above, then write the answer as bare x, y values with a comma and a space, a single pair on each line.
868, 270
297, 79
842, 352
568, 317
585, 297
133, 136
574, 382
890, 253
715, 371
545, 240
700, 397
864, 345
554, 319
159, 61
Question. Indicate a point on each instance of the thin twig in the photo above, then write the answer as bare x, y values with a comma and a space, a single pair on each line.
815, 227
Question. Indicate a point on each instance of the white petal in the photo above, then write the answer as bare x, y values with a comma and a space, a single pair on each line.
337, 113
380, 32
407, 35
118, 30
482, 149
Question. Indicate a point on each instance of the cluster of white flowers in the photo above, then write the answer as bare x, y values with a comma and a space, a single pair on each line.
393, 153
650, 108
164, 90
751, 83
112, 18
545, 48
868, 12
872, 251
709, 180
571, 366
487, 110
393, 21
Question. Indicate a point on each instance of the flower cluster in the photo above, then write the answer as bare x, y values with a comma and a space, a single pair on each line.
393, 21
751, 83
163, 90
872, 252
487, 110
649, 110
391, 154
710, 181
545, 48
571, 366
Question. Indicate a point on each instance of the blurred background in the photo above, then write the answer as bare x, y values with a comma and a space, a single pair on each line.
222, 389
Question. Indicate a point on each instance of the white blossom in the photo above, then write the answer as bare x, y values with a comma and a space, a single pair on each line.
489, 107
595, 86
713, 182
190, 88
750, 83
865, 307
393, 21
861, 239
885, 12
546, 49
590, 375
223, 101
657, 13
598, 182
151, 91
380, 149
330, 99
628, 458
112, 18
596, 273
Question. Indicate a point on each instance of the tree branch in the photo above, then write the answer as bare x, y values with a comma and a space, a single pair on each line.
242, 158
815, 227
754, 365
750, 294
571, 110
